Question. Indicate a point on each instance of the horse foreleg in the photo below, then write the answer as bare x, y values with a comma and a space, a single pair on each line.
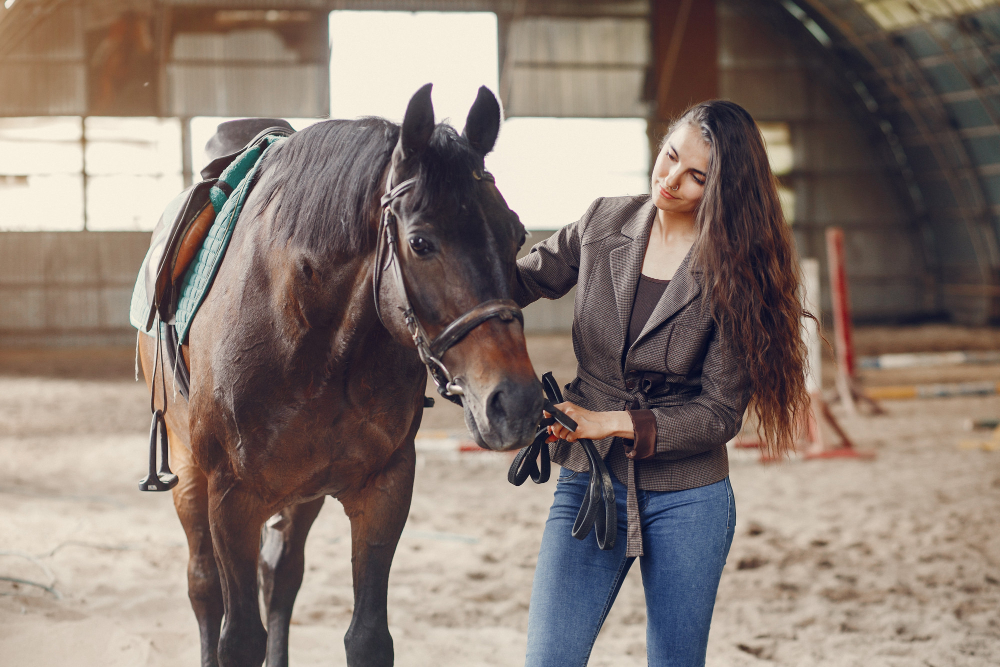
280, 570
377, 512
236, 517
204, 587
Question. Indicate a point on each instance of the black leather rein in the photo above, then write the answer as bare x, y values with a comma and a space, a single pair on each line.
598, 509
430, 350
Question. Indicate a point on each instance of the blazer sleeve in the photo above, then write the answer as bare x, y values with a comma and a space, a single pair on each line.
714, 416
551, 267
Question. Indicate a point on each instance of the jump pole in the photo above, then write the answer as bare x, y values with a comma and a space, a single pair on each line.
819, 414
847, 384
816, 446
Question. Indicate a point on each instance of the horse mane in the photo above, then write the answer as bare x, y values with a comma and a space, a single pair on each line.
325, 182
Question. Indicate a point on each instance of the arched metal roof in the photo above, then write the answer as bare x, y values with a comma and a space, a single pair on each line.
928, 71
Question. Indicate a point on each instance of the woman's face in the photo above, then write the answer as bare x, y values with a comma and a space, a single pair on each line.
679, 173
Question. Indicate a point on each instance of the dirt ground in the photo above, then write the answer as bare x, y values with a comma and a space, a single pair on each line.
894, 561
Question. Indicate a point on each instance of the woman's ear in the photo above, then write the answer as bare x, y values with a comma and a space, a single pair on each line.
483, 123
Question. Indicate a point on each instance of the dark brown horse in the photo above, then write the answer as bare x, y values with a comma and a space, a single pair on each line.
300, 390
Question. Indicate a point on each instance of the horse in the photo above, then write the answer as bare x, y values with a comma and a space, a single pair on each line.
307, 368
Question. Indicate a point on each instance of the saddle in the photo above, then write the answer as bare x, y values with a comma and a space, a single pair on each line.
185, 223
177, 240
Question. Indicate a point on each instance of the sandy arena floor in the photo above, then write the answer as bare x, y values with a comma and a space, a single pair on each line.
892, 562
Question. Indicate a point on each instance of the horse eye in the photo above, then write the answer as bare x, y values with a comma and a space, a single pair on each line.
420, 245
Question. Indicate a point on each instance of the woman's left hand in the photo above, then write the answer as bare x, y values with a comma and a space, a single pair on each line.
590, 424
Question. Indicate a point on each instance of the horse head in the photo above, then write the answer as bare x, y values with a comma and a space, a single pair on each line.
456, 241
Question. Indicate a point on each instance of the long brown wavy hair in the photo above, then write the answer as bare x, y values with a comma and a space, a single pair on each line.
747, 254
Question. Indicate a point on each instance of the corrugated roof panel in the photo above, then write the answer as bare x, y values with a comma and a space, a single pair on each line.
243, 73
897, 14
576, 67
576, 93
984, 150
946, 78
980, 71
253, 4
251, 45
58, 37
969, 113
920, 44
991, 187
992, 102
210, 90
578, 42
42, 89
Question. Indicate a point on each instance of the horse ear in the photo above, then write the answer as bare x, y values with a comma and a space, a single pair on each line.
483, 124
418, 123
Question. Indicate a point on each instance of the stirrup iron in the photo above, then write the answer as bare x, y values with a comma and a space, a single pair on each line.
164, 479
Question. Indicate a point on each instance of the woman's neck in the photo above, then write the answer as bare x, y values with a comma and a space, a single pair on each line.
674, 229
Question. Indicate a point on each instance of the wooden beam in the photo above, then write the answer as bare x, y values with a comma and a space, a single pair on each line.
685, 56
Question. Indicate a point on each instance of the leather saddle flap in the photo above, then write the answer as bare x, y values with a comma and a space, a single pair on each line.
172, 239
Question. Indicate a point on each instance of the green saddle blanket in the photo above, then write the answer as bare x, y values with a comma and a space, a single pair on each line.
227, 197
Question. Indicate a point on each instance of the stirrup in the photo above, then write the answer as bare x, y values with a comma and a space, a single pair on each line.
164, 480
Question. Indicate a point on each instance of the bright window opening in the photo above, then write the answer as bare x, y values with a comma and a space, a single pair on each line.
551, 169
778, 141
548, 169
133, 170
41, 166
379, 59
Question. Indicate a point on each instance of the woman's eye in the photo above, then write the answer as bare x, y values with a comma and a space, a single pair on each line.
698, 180
420, 245
673, 158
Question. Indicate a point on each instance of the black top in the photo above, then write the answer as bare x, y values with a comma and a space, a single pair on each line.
647, 295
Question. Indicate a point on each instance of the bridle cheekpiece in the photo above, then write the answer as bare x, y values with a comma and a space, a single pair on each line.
430, 350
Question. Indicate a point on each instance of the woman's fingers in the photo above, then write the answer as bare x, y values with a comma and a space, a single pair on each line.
562, 433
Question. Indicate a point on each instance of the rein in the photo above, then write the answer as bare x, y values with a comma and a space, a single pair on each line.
431, 350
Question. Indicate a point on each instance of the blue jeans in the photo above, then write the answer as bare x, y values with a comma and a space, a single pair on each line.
686, 538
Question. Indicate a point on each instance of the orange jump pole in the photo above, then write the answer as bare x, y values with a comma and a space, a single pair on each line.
848, 387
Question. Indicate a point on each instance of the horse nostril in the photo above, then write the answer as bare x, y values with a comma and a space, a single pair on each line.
495, 410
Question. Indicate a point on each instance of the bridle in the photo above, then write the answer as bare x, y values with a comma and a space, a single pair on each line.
430, 350
598, 509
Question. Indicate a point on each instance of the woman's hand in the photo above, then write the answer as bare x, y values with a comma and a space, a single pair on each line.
591, 424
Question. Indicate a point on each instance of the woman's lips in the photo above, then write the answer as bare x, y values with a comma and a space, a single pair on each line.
665, 194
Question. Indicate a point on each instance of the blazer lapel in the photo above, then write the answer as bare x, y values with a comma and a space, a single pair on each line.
682, 290
626, 265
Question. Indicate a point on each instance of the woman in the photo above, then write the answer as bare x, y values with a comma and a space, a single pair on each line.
687, 310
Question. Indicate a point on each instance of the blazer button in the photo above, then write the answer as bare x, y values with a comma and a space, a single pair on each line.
630, 384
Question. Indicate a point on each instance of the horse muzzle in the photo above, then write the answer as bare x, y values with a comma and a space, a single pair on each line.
508, 415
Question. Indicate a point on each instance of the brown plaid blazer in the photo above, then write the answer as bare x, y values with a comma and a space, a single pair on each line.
678, 368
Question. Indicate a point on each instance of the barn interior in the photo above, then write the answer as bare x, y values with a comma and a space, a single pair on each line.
882, 119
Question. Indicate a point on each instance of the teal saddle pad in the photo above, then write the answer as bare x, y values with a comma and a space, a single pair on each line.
198, 279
